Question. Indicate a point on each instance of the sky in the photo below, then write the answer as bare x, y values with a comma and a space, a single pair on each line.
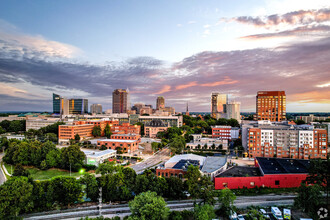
181, 50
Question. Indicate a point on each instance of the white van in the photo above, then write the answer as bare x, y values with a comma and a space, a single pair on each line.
277, 213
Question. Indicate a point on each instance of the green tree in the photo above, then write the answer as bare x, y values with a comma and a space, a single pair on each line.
148, 205
233, 122
53, 158
255, 214
20, 171
17, 126
92, 188
107, 168
43, 165
174, 189
309, 198
300, 122
30, 134
206, 190
141, 127
2, 130
226, 198
177, 144
72, 156
65, 190
193, 174
15, 197
107, 131
204, 212
96, 132
51, 137
77, 138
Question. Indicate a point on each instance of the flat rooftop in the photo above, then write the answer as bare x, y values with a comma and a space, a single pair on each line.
240, 171
184, 164
118, 140
89, 153
283, 165
212, 164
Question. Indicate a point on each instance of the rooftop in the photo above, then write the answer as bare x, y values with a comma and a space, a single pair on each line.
282, 165
118, 140
177, 158
89, 153
184, 164
238, 171
212, 164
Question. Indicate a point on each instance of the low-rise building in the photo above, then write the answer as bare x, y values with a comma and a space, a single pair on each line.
199, 142
98, 157
225, 132
268, 172
37, 123
67, 132
177, 166
126, 146
126, 137
152, 128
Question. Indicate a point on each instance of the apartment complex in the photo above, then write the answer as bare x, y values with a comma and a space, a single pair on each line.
225, 132
120, 101
284, 142
96, 109
271, 105
152, 128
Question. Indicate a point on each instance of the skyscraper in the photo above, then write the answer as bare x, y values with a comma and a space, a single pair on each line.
60, 105
96, 109
78, 106
218, 105
234, 110
160, 102
120, 101
271, 105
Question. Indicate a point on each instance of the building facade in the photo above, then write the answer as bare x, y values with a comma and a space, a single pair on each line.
126, 146
36, 124
96, 109
218, 105
152, 128
120, 101
221, 132
67, 132
271, 105
78, 106
233, 111
160, 103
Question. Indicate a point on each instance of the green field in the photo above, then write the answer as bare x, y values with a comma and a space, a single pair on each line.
38, 174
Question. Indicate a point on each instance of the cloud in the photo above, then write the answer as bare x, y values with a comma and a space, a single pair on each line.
179, 25
165, 89
17, 44
192, 22
301, 17
184, 86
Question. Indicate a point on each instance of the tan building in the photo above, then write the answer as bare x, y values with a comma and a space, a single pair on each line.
234, 111
218, 105
38, 123
160, 103
271, 105
96, 109
152, 128
120, 101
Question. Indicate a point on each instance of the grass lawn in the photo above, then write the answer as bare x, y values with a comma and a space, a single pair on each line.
38, 174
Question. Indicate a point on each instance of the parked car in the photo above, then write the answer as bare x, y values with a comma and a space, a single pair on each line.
240, 217
277, 213
264, 213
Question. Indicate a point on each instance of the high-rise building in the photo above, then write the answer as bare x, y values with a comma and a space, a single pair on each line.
78, 106
60, 105
233, 110
271, 105
120, 101
160, 102
96, 109
218, 107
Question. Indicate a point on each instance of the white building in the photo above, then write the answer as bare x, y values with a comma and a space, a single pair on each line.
234, 110
96, 109
98, 157
38, 123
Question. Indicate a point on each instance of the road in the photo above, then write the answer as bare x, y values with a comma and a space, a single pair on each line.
2, 174
123, 209
156, 159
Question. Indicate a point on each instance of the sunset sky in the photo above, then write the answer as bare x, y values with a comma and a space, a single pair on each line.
180, 49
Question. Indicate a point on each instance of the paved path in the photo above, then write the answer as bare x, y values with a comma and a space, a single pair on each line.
156, 159
2, 174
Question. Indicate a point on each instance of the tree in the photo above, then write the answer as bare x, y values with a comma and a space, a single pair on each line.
51, 137
2, 130
96, 132
72, 156
107, 168
92, 188
204, 212
177, 144
255, 214
174, 189
17, 126
77, 138
141, 127
53, 158
15, 197
107, 131
300, 122
20, 171
148, 205
226, 198
193, 174
206, 190
65, 190
309, 198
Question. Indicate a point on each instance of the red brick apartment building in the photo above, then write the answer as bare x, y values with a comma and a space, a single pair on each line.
271, 105
126, 146
287, 143
268, 172
221, 132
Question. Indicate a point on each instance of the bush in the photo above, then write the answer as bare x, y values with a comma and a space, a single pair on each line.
89, 167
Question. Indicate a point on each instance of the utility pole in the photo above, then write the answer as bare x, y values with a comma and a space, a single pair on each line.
100, 202
70, 169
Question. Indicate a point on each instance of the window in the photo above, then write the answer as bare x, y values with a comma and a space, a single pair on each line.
277, 182
251, 183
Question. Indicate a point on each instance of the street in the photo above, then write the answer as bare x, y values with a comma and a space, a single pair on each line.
156, 159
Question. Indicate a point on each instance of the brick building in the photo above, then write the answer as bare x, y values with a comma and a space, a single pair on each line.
126, 146
67, 132
271, 105
221, 132
125, 128
152, 128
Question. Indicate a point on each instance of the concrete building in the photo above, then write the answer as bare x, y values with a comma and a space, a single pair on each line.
96, 109
271, 105
198, 143
311, 118
268, 172
120, 101
67, 132
126, 146
153, 127
37, 123
285, 141
160, 103
146, 110
12, 118
218, 105
98, 157
233, 111
60, 105
177, 166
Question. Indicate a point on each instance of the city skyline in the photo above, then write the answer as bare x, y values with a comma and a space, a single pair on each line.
181, 50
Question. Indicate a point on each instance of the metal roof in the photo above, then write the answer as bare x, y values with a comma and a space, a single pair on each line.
212, 164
